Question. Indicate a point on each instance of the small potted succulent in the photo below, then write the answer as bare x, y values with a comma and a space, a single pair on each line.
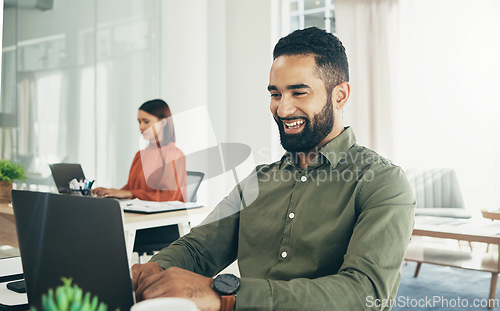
69, 297
9, 171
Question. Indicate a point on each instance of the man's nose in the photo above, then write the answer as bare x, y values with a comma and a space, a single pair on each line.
286, 107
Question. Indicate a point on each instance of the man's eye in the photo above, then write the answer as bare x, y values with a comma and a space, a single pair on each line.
275, 95
299, 93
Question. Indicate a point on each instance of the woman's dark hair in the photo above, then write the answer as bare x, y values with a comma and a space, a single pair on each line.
160, 109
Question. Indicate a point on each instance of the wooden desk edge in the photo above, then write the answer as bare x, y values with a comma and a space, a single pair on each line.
6, 208
457, 236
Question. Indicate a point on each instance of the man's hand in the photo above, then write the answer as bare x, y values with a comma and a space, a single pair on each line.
111, 192
142, 271
174, 282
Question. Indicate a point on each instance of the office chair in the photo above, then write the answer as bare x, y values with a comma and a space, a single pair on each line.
147, 241
193, 182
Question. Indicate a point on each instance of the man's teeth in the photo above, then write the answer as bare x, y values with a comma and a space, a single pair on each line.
295, 124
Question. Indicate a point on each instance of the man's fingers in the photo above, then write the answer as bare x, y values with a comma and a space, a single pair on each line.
156, 289
142, 271
136, 272
141, 274
174, 282
145, 282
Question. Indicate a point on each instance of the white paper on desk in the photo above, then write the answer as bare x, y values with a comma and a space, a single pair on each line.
11, 298
11, 266
151, 206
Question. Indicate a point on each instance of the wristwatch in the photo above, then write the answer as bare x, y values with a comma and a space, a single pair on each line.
226, 285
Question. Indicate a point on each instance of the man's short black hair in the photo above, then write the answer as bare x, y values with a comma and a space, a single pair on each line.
328, 51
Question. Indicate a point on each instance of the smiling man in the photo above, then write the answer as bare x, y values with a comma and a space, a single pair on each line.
302, 104
331, 221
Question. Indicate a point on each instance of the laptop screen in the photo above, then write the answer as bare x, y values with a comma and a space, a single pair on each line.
73, 237
63, 173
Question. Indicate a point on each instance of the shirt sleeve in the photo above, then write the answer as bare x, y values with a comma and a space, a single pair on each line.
369, 277
210, 247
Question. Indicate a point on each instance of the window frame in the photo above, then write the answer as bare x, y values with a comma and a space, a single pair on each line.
288, 14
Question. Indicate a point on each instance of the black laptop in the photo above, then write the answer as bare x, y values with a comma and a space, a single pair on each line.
74, 237
63, 173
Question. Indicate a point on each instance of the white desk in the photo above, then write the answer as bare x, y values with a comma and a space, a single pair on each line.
131, 223
185, 219
11, 269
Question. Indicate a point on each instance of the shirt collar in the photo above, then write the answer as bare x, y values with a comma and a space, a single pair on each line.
333, 151
337, 148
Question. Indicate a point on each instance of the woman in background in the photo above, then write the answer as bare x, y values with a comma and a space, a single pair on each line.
158, 172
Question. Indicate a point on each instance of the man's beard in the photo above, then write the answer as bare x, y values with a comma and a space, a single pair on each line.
312, 134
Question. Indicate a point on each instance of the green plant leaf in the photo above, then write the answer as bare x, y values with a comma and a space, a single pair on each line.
10, 171
68, 297
86, 302
62, 298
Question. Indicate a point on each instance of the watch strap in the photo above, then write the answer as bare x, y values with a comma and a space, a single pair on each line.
227, 302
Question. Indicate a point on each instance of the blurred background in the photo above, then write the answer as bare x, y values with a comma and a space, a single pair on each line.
425, 76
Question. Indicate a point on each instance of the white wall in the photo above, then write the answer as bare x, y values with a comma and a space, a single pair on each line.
448, 99
1, 34
218, 53
184, 53
249, 58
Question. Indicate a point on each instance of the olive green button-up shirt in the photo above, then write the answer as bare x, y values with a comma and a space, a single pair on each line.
329, 237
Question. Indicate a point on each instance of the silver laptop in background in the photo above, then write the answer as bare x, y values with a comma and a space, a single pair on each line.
74, 237
63, 173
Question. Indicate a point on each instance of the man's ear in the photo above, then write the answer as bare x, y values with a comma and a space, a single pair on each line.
341, 94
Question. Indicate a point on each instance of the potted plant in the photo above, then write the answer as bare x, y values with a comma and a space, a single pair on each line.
69, 297
9, 171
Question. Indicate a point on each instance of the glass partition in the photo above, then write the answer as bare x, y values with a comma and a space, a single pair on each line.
73, 77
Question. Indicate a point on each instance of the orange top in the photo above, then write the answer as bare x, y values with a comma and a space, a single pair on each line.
158, 174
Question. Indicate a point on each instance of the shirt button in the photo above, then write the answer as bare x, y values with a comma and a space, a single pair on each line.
284, 254
303, 178
291, 215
